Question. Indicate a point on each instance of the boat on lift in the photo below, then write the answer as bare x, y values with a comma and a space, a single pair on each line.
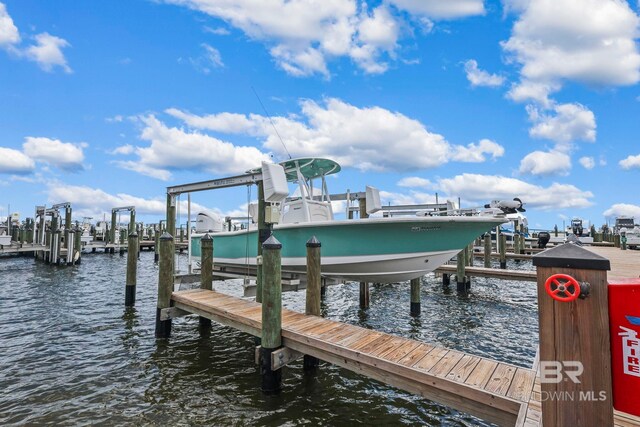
375, 249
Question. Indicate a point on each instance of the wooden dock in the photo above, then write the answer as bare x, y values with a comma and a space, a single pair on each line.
485, 388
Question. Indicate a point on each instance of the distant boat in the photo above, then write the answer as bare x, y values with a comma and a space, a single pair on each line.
376, 249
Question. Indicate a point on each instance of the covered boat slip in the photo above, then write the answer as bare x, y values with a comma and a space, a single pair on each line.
491, 390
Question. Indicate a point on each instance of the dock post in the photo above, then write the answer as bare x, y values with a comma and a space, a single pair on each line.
415, 296
314, 285
469, 255
487, 250
156, 245
78, 246
461, 280
575, 358
503, 251
70, 237
446, 280
171, 215
132, 270
206, 270
364, 295
263, 234
56, 239
112, 231
165, 284
48, 237
271, 313
123, 233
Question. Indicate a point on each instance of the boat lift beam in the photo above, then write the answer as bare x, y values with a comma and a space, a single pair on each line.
232, 181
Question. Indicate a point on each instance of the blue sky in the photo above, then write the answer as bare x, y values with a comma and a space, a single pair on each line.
105, 104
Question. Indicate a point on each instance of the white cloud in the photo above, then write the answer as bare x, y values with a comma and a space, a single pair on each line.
118, 118
474, 153
209, 60
369, 138
123, 149
64, 155
481, 188
631, 162
220, 31
14, 161
479, 77
413, 198
142, 169
587, 162
533, 91
622, 209
442, 9
303, 35
176, 149
9, 34
591, 41
413, 181
571, 122
546, 163
47, 52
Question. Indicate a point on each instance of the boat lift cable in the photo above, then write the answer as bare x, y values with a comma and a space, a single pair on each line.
271, 121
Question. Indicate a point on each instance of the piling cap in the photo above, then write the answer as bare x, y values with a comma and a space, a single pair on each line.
313, 242
570, 255
206, 237
166, 236
133, 234
272, 243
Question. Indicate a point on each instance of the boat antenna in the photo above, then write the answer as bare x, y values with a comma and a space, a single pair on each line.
271, 121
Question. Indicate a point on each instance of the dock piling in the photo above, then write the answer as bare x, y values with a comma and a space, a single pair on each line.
206, 271
70, 240
364, 295
575, 358
462, 281
132, 270
415, 296
314, 285
271, 313
487, 250
78, 246
503, 251
165, 284
156, 245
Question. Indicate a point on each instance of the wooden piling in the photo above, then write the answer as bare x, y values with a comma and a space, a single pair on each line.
314, 291
415, 296
156, 245
263, 234
575, 358
487, 250
206, 270
70, 240
165, 283
503, 251
78, 246
462, 281
171, 215
112, 232
271, 313
132, 270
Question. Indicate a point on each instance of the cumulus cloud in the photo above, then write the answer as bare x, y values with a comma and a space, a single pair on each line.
9, 34
571, 122
474, 153
176, 149
442, 9
367, 138
587, 162
15, 162
413, 198
303, 35
413, 181
546, 163
478, 77
631, 162
46, 52
63, 155
209, 60
622, 209
591, 41
480, 188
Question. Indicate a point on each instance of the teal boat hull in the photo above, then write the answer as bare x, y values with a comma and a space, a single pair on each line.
381, 250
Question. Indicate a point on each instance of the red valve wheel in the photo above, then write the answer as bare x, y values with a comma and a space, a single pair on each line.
562, 287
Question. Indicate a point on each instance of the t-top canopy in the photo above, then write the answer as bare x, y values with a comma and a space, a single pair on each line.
310, 168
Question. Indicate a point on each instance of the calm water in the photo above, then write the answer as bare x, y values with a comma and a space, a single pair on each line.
70, 354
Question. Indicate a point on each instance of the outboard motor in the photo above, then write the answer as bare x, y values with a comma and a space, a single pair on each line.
543, 239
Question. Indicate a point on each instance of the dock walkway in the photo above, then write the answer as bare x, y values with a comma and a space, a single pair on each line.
491, 390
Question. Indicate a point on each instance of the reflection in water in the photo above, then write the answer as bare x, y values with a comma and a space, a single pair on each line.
73, 354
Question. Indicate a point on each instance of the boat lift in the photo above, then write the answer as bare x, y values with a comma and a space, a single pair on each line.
132, 222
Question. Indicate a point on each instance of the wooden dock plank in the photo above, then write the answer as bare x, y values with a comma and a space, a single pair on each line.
430, 359
463, 368
501, 379
415, 355
446, 364
482, 373
396, 354
522, 384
